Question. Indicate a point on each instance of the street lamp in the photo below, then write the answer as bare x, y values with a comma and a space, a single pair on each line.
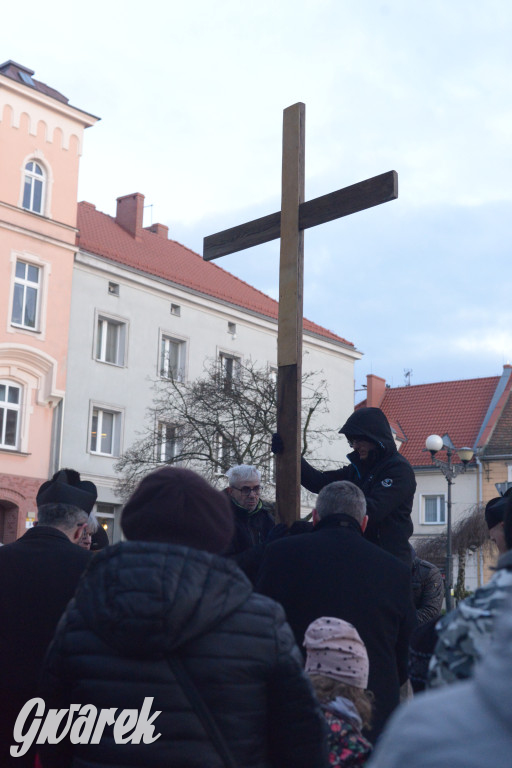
433, 444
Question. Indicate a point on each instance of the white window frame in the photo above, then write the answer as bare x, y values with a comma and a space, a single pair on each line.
6, 406
45, 269
166, 338
34, 178
167, 435
229, 364
102, 321
100, 410
439, 509
26, 283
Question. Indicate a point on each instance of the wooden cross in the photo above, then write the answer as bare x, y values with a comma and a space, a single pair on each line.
289, 224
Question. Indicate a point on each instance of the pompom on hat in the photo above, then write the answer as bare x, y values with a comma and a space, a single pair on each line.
335, 649
178, 506
65, 487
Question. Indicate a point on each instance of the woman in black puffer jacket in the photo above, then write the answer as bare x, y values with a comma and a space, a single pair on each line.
166, 594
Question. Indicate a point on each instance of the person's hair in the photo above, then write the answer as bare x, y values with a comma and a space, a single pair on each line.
92, 524
341, 496
327, 689
242, 473
507, 523
62, 516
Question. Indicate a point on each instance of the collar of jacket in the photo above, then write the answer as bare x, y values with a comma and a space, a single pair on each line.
338, 520
42, 531
244, 509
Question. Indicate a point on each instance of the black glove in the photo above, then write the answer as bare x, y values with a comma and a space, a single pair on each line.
277, 445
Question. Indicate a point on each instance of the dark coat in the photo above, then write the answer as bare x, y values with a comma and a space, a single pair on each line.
388, 483
38, 575
427, 590
144, 602
334, 571
249, 540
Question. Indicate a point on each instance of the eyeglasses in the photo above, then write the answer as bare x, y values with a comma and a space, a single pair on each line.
245, 490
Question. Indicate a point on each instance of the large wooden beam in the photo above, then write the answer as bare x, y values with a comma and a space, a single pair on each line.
289, 344
358, 197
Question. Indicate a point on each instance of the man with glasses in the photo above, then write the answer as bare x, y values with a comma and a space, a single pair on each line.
253, 519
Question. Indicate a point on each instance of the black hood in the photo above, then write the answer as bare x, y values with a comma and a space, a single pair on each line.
372, 424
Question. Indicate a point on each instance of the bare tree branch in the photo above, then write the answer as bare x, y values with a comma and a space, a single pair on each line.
216, 421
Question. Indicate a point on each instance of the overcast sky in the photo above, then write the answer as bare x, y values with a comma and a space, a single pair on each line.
191, 96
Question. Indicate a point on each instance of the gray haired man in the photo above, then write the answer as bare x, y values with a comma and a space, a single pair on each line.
39, 574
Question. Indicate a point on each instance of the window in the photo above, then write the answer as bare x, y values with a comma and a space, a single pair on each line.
168, 446
25, 305
110, 340
230, 369
105, 432
434, 510
10, 402
113, 289
175, 310
172, 359
224, 453
33, 187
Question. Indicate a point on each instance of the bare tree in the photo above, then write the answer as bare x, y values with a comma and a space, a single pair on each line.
468, 533
222, 418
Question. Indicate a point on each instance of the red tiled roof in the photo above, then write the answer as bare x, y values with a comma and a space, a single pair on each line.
101, 235
500, 443
454, 407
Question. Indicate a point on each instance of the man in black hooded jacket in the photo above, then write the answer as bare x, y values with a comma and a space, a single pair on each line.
385, 477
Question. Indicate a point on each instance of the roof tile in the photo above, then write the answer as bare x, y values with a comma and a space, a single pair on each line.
101, 235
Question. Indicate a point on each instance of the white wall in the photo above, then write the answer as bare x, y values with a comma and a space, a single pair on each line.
144, 304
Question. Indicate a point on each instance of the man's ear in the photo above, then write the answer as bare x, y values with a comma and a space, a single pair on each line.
364, 523
75, 538
315, 517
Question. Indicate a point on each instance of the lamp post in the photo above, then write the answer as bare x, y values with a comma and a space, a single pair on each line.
433, 444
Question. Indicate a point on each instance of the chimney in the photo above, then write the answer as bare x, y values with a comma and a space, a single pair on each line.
160, 230
375, 390
130, 210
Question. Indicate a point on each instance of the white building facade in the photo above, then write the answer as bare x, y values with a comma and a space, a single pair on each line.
142, 304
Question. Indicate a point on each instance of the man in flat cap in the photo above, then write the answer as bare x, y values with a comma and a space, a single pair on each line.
39, 574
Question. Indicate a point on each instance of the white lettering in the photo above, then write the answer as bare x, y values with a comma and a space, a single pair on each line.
29, 737
126, 722
52, 722
86, 723
130, 726
144, 728
106, 717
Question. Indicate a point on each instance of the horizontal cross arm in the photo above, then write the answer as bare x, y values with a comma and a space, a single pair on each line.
343, 202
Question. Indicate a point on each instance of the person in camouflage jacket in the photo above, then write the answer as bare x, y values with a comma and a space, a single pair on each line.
464, 635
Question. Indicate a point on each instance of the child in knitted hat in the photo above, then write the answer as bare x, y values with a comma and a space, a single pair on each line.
337, 665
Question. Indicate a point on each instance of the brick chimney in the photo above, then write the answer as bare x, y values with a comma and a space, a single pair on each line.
129, 214
375, 390
160, 230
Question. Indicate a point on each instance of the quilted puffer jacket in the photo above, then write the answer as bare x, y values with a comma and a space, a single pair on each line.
141, 603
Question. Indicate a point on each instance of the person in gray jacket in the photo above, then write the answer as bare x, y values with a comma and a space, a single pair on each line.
466, 725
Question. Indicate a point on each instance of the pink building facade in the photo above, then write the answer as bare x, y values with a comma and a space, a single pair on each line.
41, 138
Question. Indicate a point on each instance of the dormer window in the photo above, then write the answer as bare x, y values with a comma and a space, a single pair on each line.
33, 189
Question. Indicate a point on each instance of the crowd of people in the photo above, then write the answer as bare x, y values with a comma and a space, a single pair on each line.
210, 636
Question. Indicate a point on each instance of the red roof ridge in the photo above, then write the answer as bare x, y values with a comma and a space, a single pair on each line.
255, 299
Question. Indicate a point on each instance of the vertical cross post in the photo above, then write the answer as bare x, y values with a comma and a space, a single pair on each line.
290, 321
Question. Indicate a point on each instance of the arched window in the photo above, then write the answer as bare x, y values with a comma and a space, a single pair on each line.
34, 187
10, 404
